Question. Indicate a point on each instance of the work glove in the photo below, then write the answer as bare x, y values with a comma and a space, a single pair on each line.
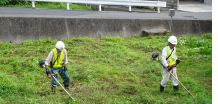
169, 67
48, 73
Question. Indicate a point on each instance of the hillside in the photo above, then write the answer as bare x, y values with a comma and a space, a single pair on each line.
109, 70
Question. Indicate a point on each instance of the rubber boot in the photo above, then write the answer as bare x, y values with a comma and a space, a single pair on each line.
161, 88
53, 90
66, 87
176, 88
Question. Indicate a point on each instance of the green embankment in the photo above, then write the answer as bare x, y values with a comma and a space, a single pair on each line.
109, 70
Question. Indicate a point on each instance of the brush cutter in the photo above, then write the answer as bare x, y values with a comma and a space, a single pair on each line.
155, 57
62, 87
48, 73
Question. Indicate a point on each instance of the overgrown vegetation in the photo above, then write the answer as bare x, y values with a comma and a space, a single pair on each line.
109, 70
5, 2
43, 5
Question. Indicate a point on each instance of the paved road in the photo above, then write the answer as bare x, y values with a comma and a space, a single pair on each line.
193, 6
28, 12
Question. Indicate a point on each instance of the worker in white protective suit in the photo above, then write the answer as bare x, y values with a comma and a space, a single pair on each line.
169, 62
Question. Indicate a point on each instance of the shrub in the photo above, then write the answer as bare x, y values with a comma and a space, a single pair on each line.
4, 2
11, 2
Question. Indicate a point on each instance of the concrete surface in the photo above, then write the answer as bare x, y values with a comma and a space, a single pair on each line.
208, 2
21, 24
194, 7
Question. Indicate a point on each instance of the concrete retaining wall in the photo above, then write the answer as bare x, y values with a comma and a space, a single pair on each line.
20, 28
208, 2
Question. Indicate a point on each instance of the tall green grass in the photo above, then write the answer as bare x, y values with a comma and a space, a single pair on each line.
109, 70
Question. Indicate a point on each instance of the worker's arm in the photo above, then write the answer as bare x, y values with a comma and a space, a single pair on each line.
164, 56
48, 59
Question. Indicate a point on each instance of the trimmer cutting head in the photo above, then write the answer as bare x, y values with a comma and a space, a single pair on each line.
41, 63
154, 55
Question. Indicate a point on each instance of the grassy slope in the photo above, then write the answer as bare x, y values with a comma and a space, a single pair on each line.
110, 70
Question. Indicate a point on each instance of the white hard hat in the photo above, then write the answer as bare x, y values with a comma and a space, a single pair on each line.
60, 45
172, 39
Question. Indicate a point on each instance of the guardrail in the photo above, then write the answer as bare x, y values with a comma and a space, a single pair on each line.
129, 3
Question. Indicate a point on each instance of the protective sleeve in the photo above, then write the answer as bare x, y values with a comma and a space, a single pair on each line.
164, 56
49, 58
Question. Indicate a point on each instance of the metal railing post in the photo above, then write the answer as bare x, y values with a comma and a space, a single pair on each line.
130, 8
68, 6
33, 4
99, 7
158, 9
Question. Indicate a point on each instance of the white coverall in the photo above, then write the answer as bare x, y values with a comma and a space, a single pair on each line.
166, 75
